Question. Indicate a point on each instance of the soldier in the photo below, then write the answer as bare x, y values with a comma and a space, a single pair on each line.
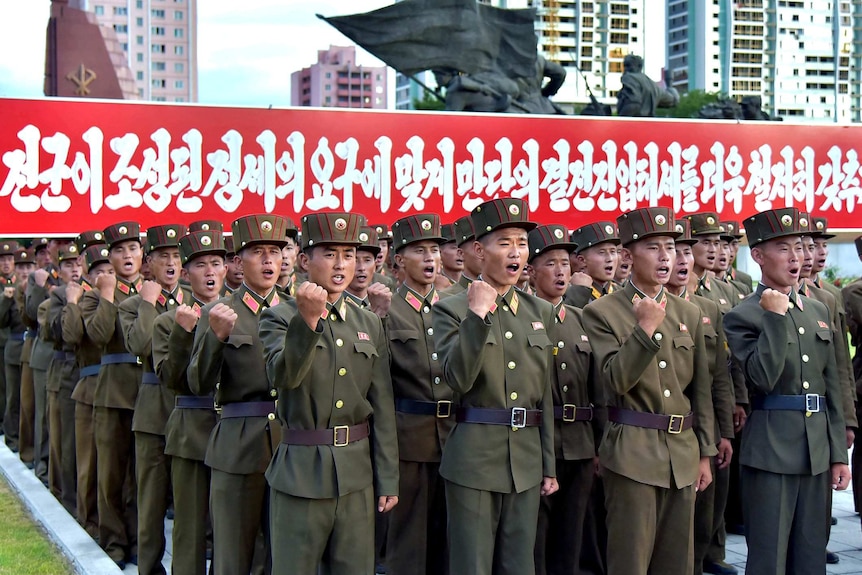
115, 394
330, 360
7, 279
707, 231
793, 444
27, 425
597, 255
561, 515
10, 380
154, 401
738, 278
227, 359
233, 279
190, 423
649, 346
852, 294
624, 269
365, 290
494, 348
286, 279
384, 259
451, 258
88, 355
464, 237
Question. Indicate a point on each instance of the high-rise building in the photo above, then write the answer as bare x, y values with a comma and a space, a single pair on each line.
337, 81
159, 38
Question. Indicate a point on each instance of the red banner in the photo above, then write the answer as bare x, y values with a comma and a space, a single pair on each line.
70, 165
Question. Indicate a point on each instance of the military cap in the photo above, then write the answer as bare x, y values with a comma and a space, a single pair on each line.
683, 226
463, 228
772, 224
122, 232
551, 237
646, 222
805, 223
70, 252
732, 228
703, 223
89, 238
594, 234
383, 231
417, 228
331, 228
206, 225
8, 247
228, 246
368, 237
858, 242
820, 228
200, 243
95, 254
260, 229
39, 244
25, 255
448, 232
500, 213
166, 236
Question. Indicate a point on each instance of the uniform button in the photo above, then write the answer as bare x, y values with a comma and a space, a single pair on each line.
805, 357
790, 305
218, 384
662, 364
513, 396
430, 331
667, 393
339, 342
508, 335
805, 385
563, 366
273, 393
436, 381
801, 330
505, 308
561, 344
658, 336
271, 416
434, 356
565, 388
426, 309
511, 365
342, 371
339, 404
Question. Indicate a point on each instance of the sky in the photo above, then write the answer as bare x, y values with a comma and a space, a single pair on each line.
247, 49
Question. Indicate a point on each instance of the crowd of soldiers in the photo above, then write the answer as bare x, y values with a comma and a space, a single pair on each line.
486, 396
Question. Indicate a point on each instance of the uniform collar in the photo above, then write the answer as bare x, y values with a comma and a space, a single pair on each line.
598, 290
166, 296
794, 296
130, 288
361, 302
256, 303
634, 294
464, 281
416, 301
336, 311
560, 311
86, 285
509, 301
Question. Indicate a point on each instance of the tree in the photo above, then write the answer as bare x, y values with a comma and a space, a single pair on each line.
428, 102
689, 104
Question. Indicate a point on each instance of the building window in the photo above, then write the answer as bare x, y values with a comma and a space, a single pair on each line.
178, 32
179, 67
179, 84
139, 22
178, 50
159, 66
179, 99
139, 40
121, 11
121, 28
179, 15
159, 82
157, 13
139, 57
328, 75
139, 75
328, 87
99, 10
125, 46
158, 30
158, 49
139, 4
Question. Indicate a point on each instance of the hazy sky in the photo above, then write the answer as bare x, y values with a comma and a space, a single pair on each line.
246, 48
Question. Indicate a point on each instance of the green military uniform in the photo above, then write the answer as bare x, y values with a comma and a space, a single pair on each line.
27, 424
737, 278
463, 230
654, 387
796, 427
12, 335
586, 237
325, 474
501, 367
242, 443
7, 249
113, 409
852, 295
190, 423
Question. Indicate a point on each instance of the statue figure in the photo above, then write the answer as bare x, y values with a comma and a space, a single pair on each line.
752, 109
533, 95
640, 96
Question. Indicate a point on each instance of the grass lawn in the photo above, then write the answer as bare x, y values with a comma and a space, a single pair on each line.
24, 548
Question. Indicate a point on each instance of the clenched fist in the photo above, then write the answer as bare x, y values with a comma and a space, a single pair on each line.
311, 303
186, 318
581, 279
9, 292
74, 291
379, 298
106, 284
481, 297
40, 276
774, 301
222, 319
150, 291
649, 314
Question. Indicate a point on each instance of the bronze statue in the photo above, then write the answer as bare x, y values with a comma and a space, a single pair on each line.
640, 96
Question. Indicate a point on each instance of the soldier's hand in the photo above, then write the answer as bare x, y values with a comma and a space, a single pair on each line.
725, 453
379, 298
649, 314
840, 476
774, 301
739, 418
481, 297
9, 292
385, 503
186, 318
150, 291
549, 486
311, 303
851, 436
704, 475
40, 276
106, 284
74, 291
581, 279
222, 319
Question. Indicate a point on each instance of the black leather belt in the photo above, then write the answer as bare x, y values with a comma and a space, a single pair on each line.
810, 402
441, 409
194, 402
516, 417
64, 355
248, 409
89, 370
338, 436
150, 378
671, 423
115, 358
570, 412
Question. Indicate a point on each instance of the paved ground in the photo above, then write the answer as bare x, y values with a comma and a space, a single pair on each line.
89, 559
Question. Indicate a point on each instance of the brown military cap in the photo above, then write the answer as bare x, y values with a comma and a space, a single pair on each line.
704, 223
201, 243
368, 237
772, 224
228, 246
417, 228
206, 225
552, 237
463, 228
89, 238
820, 228
500, 213
331, 228
732, 228
95, 254
683, 226
8, 247
70, 252
260, 229
448, 232
805, 223
646, 222
383, 231
39, 244
166, 236
25, 256
595, 234
122, 232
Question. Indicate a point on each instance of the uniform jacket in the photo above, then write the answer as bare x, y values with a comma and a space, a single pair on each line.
460, 286
12, 321
87, 352
64, 372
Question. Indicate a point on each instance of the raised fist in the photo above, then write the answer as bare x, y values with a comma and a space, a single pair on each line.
74, 291
40, 276
481, 297
150, 291
379, 298
311, 303
581, 279
774, 301
222, 319
186, 318
649, 314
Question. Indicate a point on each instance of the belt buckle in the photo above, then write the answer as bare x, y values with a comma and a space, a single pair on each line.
519, 417
345, 431
444, 408
812, 403
138, 360
570, 412
674, 426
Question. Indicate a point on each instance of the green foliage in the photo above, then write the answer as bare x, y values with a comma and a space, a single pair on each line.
689, 104
830, 274
429, 102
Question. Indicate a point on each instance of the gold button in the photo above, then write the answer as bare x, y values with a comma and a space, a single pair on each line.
511, 365
807, 414
218, 384
805, 357
565, 388
563, 366
339, 404
339, 342
505, 308
513, 396
271, 417
790, 305
561, 344
658, 336
434, 356
426, 309
436, 381
430, 331
801, 330
667, 393
508, 335
273, 393
342, 372
805, 385
662, 364
171, 302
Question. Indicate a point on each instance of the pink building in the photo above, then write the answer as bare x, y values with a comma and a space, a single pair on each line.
336, 81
